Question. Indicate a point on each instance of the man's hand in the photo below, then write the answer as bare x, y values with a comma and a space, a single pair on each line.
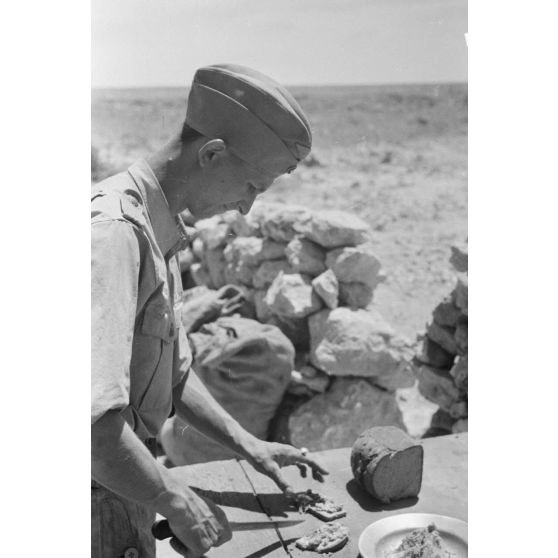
197, 523
268, 458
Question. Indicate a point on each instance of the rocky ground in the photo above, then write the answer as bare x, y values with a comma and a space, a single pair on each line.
396, 156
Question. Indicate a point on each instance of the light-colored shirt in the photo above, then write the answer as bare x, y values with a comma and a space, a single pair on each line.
139, 349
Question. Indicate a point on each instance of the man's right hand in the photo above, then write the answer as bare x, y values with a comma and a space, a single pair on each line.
197, 523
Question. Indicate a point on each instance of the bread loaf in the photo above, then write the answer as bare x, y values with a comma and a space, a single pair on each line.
387, 463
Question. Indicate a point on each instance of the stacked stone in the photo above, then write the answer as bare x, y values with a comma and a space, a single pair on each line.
443, 370
313, 275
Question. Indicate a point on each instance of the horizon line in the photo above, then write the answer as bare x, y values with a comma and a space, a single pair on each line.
354, 84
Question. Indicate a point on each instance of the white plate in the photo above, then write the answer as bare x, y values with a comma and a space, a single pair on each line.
385, 535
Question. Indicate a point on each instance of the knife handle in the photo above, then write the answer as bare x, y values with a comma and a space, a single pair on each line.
161, 530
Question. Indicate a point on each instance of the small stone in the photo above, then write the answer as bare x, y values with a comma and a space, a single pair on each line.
446, 313
292, 296
327, 288
434, 355
212, 232
331, 229
462, 425
355, 265
355, 295
239, 273
200, 275
444, 336
268, 271
305, 256
198, 248
308, 380
460, 375
237, 223
437, 386
216, 264
461, 336
458, 409
460, 258
461, 294
185, 259
263, 313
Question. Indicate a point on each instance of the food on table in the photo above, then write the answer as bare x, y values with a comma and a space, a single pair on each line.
421, 543
327, 538
387, 463
323, 508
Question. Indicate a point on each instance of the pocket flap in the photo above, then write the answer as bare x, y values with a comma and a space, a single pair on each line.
158, 322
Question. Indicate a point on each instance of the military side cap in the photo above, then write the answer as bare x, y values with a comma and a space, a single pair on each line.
257, 117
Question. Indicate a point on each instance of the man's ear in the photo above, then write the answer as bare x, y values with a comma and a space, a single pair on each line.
211, 150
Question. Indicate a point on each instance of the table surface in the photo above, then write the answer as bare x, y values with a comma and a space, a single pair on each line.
246, 495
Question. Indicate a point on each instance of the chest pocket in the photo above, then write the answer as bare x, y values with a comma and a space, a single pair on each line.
158, 321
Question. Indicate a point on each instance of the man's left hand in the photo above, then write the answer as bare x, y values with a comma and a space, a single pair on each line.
268, 458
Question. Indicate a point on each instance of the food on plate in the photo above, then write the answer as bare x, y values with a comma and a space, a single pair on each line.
323, 508
387, 463
421, 543
327, 538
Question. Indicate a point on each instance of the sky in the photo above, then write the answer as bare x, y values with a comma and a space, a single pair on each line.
142, 43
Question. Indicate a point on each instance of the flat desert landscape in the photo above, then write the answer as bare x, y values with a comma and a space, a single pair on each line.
396, 156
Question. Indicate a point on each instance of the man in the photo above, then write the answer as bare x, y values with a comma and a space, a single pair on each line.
242, 131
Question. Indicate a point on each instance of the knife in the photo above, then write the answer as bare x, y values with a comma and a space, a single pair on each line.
161, 529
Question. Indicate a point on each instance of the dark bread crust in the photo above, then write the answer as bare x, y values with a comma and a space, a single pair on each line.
387, 463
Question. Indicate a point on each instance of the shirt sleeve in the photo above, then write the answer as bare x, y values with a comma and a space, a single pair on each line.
115, 263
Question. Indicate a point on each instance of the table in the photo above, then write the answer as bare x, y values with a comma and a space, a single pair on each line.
246, 495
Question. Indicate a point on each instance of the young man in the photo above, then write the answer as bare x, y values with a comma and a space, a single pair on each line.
242, 131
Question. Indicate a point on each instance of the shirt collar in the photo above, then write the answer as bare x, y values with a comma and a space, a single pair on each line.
170, 231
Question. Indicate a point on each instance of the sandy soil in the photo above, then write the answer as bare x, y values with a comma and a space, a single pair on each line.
396, 156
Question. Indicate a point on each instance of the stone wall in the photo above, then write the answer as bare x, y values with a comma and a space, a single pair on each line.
313, 275
443, 361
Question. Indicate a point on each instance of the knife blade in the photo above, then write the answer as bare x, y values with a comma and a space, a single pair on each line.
161, 529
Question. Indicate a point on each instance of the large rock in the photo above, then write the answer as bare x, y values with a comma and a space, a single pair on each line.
279, 221
269, 270
292, 296
305, 256
438, 386
355, 295
252, 251
355, 265
346, 342
331, 229
327, 288
335, 419
295, 329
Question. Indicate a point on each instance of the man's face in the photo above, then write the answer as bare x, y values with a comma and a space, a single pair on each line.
228, 183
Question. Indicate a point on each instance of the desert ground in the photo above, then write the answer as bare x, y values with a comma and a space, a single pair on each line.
396, 156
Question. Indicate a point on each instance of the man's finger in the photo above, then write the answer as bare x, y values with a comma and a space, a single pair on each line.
275, 474
302, 469
314, 466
